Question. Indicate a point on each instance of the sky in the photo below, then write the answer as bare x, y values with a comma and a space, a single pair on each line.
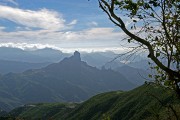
67, 25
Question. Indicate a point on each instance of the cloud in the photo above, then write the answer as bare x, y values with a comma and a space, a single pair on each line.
27, 46
13, 2
2, 28
73, 22
54, 32
88, 38
43, 18
51, 36
93, 23
99, 31
100, 36
18, 28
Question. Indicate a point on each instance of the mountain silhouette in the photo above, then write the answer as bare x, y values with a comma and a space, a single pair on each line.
134, 75
70, 80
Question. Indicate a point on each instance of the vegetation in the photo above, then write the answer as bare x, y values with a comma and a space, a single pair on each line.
137, 104
41, 110
157, 30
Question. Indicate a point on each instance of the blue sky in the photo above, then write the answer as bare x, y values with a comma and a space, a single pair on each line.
66, 25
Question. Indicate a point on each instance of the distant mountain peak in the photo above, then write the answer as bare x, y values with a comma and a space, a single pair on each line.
75, 59
77, 56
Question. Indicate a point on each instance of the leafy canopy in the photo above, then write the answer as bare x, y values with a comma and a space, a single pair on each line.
157, 26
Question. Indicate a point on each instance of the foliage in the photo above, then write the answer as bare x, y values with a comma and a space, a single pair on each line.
42, 110
133, 105
136, 104
157, 29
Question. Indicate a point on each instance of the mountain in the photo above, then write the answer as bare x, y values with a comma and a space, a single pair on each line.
7, 66
36, 56
17, 60
135, 75
97, 59
15, 54
141, 103
70, 80
113, 64
102, 59
49, 55
142, 64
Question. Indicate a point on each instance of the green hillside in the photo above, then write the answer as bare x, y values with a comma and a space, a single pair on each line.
42, 110
138, 104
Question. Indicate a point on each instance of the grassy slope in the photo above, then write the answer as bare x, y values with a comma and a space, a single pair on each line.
42, 111
136, 104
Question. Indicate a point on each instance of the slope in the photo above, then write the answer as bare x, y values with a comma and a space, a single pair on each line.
7, 66
138, 104
135, 75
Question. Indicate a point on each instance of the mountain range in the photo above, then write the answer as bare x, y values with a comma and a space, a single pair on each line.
70, 80
35, 85
18, 60
36, 56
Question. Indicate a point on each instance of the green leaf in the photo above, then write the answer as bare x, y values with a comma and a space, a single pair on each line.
150, 76
167, 82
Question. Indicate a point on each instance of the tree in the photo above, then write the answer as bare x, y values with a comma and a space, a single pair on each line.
157, 26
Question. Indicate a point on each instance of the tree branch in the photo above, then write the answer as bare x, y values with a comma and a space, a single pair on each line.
119, 22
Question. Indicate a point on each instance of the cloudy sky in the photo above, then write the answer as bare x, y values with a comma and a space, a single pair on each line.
62, 24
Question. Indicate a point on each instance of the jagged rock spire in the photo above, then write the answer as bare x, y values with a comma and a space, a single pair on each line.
77, 56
